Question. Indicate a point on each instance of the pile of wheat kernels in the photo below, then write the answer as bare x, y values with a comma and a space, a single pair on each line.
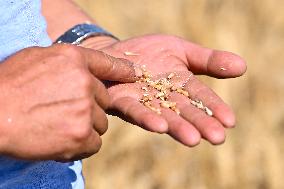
163, 87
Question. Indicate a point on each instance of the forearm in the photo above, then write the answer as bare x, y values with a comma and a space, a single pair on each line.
63, 15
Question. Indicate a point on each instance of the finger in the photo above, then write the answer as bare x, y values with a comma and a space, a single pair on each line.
89, 148
209, 127
198, 91
101, 94
93, 144
107, 67
100, 121
219, 64
180, 129
138, 114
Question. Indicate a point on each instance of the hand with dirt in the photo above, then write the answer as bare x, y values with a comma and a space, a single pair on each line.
162, 55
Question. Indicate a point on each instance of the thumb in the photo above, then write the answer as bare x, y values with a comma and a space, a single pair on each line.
106, 67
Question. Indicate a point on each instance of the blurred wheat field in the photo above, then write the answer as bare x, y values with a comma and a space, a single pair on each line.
251, 157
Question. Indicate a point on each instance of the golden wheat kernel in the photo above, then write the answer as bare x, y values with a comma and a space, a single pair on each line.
158, 82
196, 101
127, 53
179, 90
165, 104
147, 80
162, 98
169, 86
152, 84
162, 81
208, 111
159, 94
168, 104
185, 93
174, 88
173, 104
171, 75
144, 98
174, 108
166, 87
158, 87
144, 89
147, 104
200, 106
167, 95
163, 89
193, 102
147, 98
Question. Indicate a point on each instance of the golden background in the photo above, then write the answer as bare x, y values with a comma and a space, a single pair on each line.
251, 158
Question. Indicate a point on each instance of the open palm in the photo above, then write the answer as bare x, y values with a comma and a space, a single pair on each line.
162, 55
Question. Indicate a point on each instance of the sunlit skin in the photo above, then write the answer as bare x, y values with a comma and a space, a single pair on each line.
53, 101
162, 54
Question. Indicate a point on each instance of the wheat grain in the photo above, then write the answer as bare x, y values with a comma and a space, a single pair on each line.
127, 53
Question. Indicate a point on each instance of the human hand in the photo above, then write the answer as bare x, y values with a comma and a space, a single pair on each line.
162, 55
52, 104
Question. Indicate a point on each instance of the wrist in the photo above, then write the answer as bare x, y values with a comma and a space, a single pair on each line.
98, 42
87, 35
